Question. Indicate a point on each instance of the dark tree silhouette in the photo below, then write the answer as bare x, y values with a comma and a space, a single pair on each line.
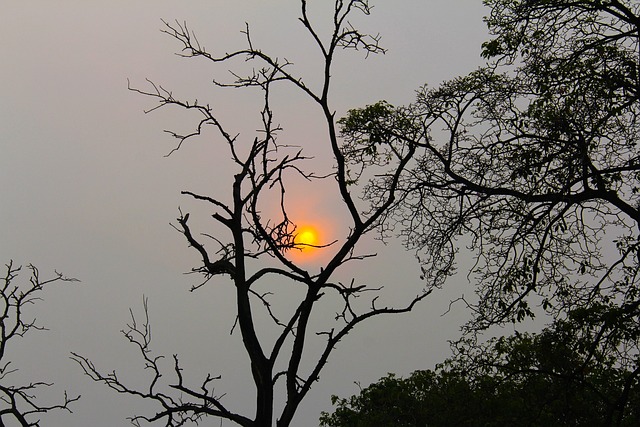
19, 404
259, 248
549, 378
533, 160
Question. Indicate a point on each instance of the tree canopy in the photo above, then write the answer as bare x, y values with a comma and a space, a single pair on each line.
531, 161
532, 164
546, 379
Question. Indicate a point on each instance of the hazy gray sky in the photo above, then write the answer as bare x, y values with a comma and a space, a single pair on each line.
86, 188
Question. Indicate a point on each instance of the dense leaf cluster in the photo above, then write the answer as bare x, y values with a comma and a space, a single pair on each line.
547, 379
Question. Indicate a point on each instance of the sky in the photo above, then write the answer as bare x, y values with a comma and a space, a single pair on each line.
86, 188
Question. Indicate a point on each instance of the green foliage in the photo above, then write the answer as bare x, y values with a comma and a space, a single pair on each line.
554, 378
376, 136
368, 124
364, 130
421, 398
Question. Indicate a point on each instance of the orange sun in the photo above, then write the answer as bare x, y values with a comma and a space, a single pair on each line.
306, 237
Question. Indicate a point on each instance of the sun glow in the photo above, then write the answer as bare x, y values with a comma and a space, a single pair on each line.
306, 237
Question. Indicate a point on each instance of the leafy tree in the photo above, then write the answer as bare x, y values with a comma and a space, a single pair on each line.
546, 379
19, 404
531, 161
257, 249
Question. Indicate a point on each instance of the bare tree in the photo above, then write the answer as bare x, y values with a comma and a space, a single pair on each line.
18, 403
259, 248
